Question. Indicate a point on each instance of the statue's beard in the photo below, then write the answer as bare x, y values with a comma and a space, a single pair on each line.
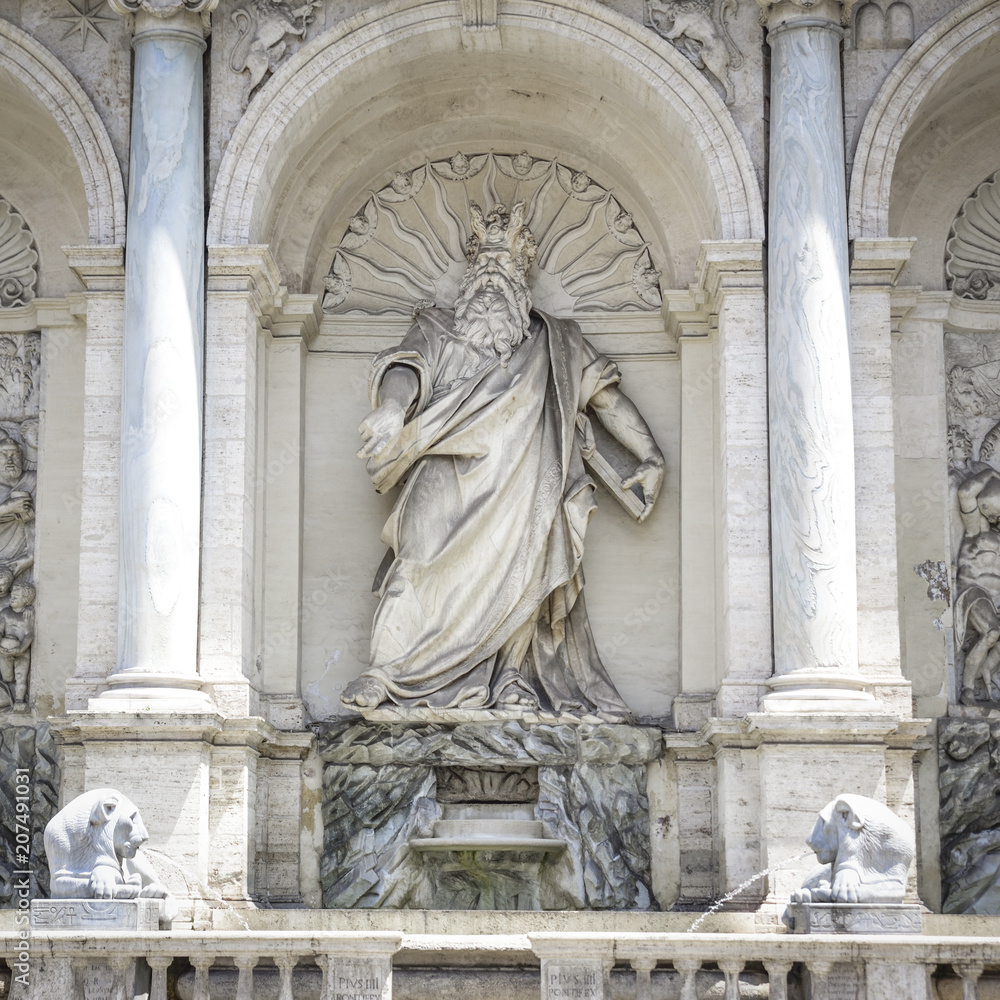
491, 313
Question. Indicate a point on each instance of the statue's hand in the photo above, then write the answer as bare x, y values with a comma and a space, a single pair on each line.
649, 476
380, 427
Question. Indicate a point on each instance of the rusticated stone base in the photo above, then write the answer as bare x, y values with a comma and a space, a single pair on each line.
586, 784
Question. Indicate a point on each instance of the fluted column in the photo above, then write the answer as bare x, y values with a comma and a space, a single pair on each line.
813, 538
162, 367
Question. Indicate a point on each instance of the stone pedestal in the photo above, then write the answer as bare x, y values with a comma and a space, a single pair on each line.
96, 915
571, 971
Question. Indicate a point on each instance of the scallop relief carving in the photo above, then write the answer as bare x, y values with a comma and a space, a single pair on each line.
18, 259
405, 248
972, 254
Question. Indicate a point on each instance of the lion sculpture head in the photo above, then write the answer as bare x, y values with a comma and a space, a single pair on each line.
866, 851
93, 849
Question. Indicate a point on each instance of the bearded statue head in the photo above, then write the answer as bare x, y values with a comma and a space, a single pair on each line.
493, 305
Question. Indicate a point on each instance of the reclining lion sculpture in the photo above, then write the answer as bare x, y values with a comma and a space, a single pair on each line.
866, 851
93, 849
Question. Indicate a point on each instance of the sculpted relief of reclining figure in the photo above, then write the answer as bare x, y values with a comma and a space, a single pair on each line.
482, 415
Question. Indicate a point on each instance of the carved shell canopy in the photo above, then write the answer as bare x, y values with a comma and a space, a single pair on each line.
406, 245
18, 257
972, 254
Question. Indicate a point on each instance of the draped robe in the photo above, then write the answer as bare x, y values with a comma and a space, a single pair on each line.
485, 589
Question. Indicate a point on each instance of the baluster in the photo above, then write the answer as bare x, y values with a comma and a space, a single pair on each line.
643, 985
244, 985
325, 962
777, 978
688, 968
731, 969
970, 973
121, 988
285, 964
201, 963
819, 974
159, 964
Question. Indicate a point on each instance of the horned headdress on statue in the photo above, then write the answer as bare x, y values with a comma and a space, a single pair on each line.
501, 230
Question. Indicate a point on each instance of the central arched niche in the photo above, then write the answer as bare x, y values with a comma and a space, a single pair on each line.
575, 83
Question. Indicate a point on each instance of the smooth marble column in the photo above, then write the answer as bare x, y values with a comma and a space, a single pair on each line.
162, 366
813, 538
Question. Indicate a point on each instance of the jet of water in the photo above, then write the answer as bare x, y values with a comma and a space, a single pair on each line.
719, 903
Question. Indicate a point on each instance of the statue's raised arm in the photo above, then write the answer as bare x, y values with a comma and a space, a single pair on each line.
481, 414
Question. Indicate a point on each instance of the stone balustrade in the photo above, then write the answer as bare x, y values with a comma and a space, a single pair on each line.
358, 966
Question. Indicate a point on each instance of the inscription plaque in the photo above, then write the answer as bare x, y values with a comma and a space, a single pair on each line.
582, 979
361, 978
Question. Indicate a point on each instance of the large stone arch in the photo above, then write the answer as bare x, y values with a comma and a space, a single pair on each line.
907, 87
293, 112
54, 86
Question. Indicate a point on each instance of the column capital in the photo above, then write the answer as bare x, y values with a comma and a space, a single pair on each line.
162, 8
774, 13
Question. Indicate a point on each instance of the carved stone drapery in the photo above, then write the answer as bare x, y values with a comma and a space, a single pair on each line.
18, 259
405, 247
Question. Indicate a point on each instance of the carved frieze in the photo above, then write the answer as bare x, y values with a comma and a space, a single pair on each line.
18, 259
972, 253
405, 248
264, 28
698, 29
20, 384
974, 476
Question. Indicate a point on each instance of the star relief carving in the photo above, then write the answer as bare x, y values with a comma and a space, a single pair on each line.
163, 8
845, 7
84, 20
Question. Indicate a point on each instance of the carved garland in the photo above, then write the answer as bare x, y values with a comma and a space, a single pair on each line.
405, 247
18, 259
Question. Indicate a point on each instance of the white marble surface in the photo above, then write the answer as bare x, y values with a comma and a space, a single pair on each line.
162, 383
811, 424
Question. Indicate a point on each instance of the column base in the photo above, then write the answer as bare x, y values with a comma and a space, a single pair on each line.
812, 692
133, 691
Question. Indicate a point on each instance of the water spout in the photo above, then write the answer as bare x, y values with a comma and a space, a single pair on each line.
719, 903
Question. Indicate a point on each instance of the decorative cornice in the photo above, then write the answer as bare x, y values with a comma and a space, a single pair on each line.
807, 6
162, 8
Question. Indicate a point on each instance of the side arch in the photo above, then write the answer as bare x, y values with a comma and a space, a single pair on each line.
56, 88
913, 78
289, 103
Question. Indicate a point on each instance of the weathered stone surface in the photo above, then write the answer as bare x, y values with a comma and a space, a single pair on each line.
97, 915
854, 918
969, 763
379, 792
32, 749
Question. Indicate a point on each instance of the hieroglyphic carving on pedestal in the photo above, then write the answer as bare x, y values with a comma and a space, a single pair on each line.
405, 248
263, 27
972, 253
18, 259
698, 29
974, 477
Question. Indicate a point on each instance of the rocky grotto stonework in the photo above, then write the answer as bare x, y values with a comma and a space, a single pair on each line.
380, 794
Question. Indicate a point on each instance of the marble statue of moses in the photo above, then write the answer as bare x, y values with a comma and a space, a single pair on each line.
482, 414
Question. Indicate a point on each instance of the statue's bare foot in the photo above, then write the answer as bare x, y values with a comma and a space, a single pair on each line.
365, 692
968, 696
514, 696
